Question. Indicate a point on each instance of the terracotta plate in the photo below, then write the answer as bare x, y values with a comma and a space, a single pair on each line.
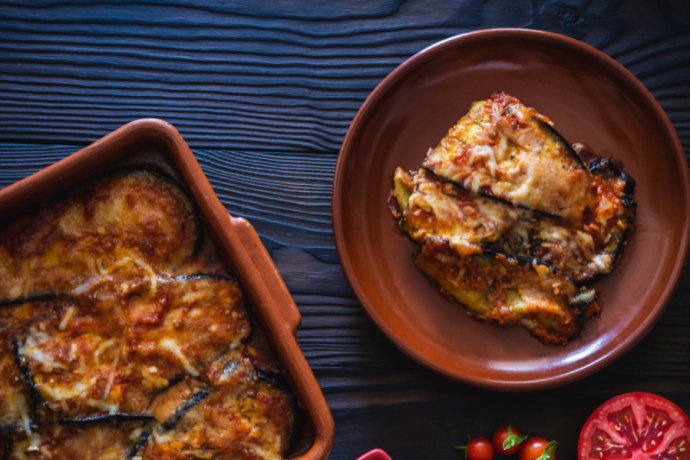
590, 98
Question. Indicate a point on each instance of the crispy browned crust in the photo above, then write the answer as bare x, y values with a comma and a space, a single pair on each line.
120, 358
102, 344
240, 417
504, 183
505, 291
124, 221
507, 150
104, 439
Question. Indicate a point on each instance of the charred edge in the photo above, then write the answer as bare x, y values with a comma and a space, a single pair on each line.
201, 276
34, 298
35, 398
482, 193
538, 213
520, 259
604, 164
8, 449
227, 279
115, 419
556, 136
581, 316
617, 249
527, 261
139, 445
299, 417
174, 419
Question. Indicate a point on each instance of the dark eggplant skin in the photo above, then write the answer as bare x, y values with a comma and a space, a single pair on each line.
140, 444
117, 419
111, 418
204, 276
8, 449
299, 418
181, 411
42, 297
520, 259
36, 401
605, 167
560, 140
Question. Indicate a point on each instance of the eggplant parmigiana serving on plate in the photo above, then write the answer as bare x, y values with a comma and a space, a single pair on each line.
513, 223
122, 336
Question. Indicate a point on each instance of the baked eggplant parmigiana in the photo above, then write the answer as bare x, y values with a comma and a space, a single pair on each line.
497, 226
120, 339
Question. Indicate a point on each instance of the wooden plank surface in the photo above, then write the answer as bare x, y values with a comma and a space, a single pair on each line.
264, 93
379, 397
282, 78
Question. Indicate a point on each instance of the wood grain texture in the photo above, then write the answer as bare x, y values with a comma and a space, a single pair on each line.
379, 397
264, 93
279, 76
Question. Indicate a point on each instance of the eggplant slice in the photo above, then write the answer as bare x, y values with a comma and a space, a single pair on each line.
506, 150
508, 291
241, 417
130, 220
110, 438
434, 207
586, 252
92, 361
18, 400
108, 352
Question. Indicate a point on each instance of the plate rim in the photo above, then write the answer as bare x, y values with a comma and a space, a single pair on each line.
346, 150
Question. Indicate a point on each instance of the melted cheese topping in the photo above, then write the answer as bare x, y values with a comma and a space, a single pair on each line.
468, 222
82, 374
58, 249
118, 330
241, 418
504, 291
504, 149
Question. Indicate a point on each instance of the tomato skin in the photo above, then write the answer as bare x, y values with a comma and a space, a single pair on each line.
480, 449
500, 435
533, 447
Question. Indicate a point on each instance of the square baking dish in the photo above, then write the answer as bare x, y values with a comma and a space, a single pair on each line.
151, 142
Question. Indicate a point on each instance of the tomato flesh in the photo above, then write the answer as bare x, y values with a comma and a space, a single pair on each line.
637, 426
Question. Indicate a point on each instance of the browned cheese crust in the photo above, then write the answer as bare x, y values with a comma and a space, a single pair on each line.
123, 220
103, 342
504, 149
86, 363
511, 219
435, 207
241, 418
506, 291
99, 440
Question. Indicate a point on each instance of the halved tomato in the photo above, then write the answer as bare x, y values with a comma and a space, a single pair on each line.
636, 426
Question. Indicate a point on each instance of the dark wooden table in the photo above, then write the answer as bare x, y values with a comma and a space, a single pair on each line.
264, 92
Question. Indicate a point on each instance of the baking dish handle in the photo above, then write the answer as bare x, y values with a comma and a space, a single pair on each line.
271, 277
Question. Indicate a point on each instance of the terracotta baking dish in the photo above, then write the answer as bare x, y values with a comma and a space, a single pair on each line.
151, 142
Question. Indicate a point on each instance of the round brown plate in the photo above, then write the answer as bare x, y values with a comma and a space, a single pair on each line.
591, 99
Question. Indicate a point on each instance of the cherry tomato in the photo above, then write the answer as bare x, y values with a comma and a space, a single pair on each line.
478, 449
637, 426
533, 448
507, 433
